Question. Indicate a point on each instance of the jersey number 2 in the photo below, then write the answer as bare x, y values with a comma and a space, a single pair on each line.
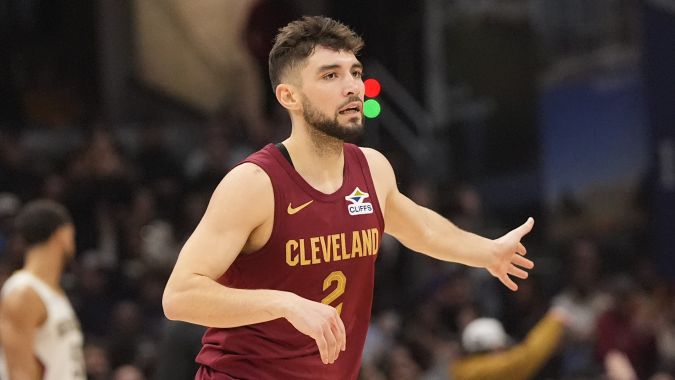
341, 280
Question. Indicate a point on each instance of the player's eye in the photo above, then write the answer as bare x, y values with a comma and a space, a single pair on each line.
329, 76
357, 74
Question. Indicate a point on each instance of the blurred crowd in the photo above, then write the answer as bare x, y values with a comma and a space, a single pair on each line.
614, 311
137, 194
133, 206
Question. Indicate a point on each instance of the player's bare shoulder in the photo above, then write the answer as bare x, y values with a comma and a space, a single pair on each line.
23, 306
245, 180
250, 173
245, 194
376, 160
382, 173
379, 166
372, 153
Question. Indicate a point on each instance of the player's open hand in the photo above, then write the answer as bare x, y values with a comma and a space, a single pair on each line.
322, 323
508, 256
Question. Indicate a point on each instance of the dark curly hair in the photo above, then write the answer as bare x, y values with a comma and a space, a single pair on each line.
297, 40
38, 220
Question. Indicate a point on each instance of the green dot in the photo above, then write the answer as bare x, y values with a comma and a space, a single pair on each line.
371, 108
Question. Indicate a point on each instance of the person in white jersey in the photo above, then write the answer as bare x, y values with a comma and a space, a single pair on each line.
40, 336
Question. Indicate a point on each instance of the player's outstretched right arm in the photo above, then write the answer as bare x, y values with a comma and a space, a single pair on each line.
238, 219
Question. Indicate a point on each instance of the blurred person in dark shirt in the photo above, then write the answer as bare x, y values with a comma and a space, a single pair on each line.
586, 299
180, 345
627, 327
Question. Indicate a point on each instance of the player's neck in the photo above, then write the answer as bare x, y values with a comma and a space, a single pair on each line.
45, 264
318, 158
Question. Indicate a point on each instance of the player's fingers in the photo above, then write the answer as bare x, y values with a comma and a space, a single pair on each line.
521, 249
335, 329
331, 343
517, 272
323, 348
343, 333
522, 262
506, 280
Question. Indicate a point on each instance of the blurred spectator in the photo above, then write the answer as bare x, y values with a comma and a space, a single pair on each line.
524, 308
126, 334
179, 346
628, 327
453, 297
93, 297
401, 365
160, 171
99, 186
149, 298
142, 212
97, 361
9, 206
371, 372
444, 351
194, 205
586, 300
470, 213
381, 335
569, 219
206, 165
128, 372
618, 367
489, 355
665, 339
159, 249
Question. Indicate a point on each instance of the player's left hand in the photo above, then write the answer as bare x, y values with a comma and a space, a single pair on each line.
508, 256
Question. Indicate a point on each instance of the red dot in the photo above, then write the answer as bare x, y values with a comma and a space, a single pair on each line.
372, 87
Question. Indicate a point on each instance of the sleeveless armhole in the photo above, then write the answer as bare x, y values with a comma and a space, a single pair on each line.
42, 290
276, 210
365, 170
284, 151
24, 279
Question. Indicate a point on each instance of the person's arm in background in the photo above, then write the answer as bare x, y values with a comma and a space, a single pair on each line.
618, 367
192, 293
519, 362
21, 314
425, 231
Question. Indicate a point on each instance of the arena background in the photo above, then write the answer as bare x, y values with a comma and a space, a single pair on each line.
130, 112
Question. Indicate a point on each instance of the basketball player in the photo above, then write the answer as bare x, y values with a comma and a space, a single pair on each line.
40, 336
281, 265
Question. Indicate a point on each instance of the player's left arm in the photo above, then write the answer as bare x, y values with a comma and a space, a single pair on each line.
425, 231
21, 314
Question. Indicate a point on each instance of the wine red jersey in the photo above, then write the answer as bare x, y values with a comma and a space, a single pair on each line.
322, 247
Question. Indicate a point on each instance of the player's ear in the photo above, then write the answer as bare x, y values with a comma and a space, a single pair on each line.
64, 235
287, 96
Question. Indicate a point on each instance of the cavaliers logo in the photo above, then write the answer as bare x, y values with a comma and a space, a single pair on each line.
357, 205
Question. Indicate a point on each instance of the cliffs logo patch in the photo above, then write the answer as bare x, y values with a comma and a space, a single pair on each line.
358, 206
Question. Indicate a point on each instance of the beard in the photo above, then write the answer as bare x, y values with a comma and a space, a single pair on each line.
331, 127
68, 256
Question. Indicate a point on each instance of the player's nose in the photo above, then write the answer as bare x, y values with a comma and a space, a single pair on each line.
353, 86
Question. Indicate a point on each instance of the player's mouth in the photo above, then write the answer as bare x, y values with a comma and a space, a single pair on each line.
351, 108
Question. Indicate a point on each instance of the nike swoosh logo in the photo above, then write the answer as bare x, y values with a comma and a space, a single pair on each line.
293, 210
